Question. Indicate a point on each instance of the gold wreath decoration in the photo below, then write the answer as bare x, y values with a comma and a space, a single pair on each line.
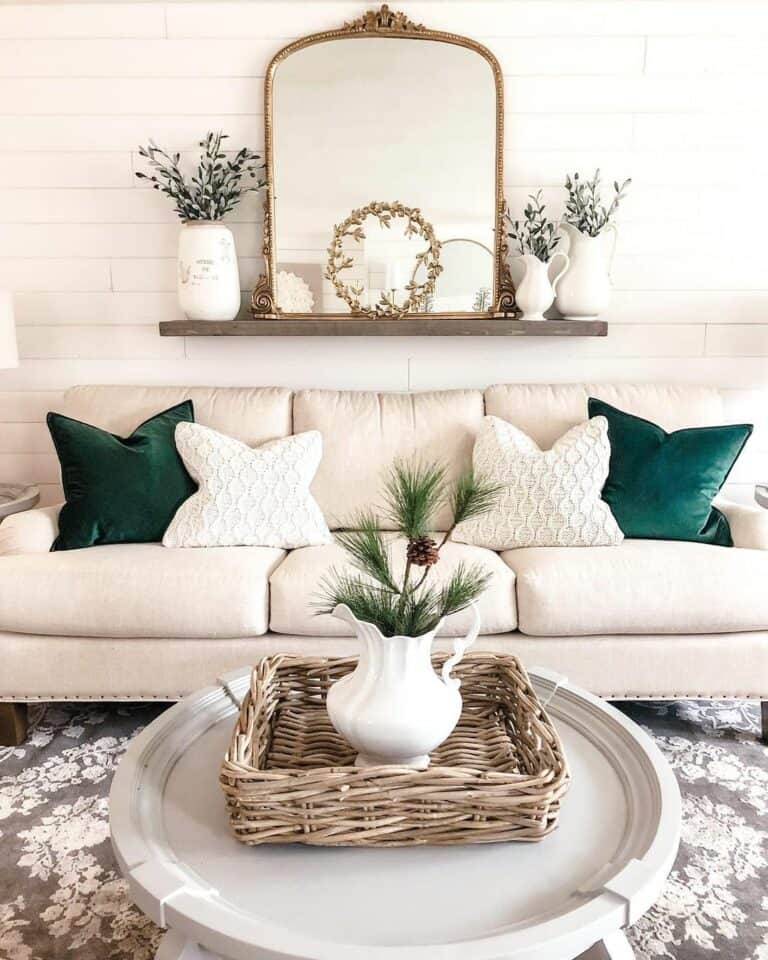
416, 226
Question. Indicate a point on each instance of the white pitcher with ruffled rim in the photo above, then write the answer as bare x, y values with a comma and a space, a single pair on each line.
585, 290
394, 708
536, 283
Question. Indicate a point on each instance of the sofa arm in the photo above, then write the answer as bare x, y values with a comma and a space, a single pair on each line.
748, 523
32, 531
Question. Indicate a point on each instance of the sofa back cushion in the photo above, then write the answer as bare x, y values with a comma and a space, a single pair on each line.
250, 414
363, 433
546, 411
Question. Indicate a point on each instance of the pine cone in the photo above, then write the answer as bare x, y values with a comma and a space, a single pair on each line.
422, 552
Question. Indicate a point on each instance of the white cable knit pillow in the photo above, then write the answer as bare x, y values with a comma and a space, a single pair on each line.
550, 498
256, 497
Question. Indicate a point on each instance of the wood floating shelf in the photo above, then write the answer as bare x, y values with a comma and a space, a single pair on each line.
345, 326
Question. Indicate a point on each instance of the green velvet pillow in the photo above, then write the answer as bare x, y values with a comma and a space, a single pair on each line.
119, 490
661, 485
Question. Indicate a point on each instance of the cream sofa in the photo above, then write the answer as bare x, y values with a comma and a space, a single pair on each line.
647, 619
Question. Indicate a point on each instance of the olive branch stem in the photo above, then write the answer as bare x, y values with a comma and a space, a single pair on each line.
584, 208
535, 234
216, 186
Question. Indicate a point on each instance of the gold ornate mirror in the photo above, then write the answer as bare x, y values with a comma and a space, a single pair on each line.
405, 120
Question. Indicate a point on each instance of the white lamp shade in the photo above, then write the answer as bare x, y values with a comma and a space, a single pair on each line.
9, 354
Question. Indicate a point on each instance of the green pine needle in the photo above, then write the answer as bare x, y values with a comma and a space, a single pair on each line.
367, 601
473, 496
373, 604
464, 586
412, 496
367, 549
372, 592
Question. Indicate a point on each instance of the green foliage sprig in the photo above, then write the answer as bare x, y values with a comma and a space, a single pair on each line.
214, 189
536, 233
409, 605
584, 208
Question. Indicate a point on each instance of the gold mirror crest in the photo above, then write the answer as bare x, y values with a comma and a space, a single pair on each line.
375, 21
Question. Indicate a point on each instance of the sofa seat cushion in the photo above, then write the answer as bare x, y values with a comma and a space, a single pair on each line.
138, 590
296, 583
640, 587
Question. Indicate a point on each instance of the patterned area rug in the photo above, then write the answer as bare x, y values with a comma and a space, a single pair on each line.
61, 895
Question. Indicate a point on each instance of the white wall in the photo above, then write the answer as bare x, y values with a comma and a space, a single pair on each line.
670, 92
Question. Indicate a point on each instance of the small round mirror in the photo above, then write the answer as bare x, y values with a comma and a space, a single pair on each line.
466, 279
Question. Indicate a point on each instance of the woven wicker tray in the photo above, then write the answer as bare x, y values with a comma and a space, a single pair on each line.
288, 775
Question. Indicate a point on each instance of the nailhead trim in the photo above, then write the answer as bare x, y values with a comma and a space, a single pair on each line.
71, 698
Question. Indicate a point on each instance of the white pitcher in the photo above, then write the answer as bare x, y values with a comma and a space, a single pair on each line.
535, 283
208, 278
393, 708
585, 290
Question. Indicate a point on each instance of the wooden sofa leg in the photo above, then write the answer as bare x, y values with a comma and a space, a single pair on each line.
13, 724
764, 720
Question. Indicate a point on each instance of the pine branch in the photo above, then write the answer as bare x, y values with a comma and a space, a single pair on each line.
420, 615
373, 593
412, 496
464, 586
372, 604
473, 496
368, 602
368, 551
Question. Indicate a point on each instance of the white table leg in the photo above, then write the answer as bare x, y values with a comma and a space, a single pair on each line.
614, 947
174, 946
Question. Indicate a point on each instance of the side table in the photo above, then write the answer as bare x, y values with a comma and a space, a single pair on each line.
14, 498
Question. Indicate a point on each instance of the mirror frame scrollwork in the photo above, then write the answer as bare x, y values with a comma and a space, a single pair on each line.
383, 22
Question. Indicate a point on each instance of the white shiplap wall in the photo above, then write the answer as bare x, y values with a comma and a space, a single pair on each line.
670, 92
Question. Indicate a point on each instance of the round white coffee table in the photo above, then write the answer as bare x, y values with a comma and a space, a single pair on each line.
568, 896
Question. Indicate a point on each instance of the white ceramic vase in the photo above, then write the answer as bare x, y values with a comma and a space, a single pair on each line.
393, 708
208, 280
535, 283
585, 290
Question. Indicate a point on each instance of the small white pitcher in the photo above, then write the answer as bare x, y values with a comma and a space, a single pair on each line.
393, 708
585, 290
535, 283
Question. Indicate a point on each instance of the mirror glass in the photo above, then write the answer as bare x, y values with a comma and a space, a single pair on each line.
369, 119
465, 281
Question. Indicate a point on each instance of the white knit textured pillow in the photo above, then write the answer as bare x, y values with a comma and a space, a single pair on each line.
550, 498
256, 497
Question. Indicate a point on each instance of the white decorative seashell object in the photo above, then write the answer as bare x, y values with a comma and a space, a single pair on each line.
293, 293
